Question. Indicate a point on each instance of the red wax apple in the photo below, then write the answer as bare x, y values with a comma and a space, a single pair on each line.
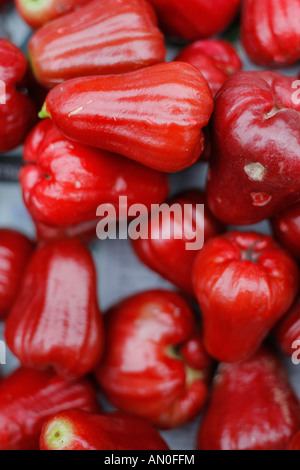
15, 251
79, 430
270, 31
287, 331
55, 320
252, 407
244, 283
160, 126
17, 111
38, 12
216, 60
106, 37
28, 397
168, 255
64, 182
155, 365
195, 19
286, 227
255, 166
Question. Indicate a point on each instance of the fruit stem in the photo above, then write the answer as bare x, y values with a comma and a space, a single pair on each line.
44, 113
191, 374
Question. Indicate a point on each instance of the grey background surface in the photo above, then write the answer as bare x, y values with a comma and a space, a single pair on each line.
119, 272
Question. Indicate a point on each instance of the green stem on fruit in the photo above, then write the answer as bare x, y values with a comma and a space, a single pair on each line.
191, 375
43, 114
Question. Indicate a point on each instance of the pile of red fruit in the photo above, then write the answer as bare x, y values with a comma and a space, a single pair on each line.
115, 119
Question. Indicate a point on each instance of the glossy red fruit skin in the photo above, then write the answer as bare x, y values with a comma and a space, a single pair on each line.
270, 31
252, 407
85, 231
37, 15
287, 332
216, 59
244, 283
106, 37
109, 431
64, 182
295, 442
169, 257
154, 127
59, 324
205, 156
15, 251
28, 397
195, 19
18, 113
252, 156
286, 228
165, 383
